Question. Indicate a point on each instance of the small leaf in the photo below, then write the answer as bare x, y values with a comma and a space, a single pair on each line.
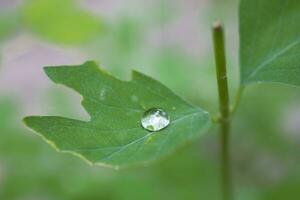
61, 21
270, 41
114, 135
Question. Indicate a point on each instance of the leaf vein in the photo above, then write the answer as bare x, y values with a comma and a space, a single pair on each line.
279, 53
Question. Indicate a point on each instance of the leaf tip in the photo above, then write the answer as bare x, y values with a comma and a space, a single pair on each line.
136, 75
57, 73
50, 72
29, 121
91, 63
26, 120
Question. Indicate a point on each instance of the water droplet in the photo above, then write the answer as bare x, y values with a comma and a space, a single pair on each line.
155, 119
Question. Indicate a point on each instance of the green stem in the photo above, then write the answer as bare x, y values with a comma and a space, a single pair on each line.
220, 61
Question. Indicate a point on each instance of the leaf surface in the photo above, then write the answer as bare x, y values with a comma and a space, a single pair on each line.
270, 41
114, 136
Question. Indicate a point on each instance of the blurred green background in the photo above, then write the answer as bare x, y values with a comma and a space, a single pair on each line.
167, 39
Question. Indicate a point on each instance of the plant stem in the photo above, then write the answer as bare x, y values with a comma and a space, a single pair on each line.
220, 61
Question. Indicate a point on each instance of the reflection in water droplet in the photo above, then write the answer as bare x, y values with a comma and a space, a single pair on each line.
155, 119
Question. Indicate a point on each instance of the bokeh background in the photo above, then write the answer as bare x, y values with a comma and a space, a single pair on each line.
169, 40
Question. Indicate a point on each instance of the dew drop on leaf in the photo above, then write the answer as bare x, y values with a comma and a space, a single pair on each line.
155, 119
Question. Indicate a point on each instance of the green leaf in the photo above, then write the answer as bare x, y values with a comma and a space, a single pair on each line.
270, 41
61, 21
114, 136
8, 25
